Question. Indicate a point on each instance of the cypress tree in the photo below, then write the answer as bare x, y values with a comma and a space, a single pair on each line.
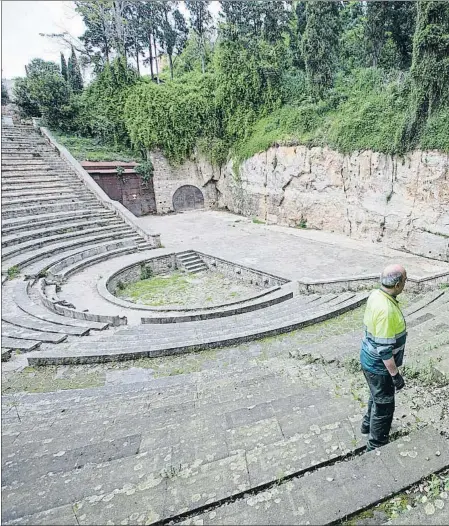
74, 73
319, 44
430, 67
64, 72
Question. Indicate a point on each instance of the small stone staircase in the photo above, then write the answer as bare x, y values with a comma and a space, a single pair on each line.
191, 262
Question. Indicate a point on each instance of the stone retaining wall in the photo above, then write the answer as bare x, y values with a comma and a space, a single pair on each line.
254, 277
132, 273
400, 201
168, 178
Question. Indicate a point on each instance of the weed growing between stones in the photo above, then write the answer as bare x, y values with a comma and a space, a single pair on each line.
258, 221
431, 494
425, 374
13, 272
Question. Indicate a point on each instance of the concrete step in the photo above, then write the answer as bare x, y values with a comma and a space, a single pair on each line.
15, 344
85, 262
82, 226
268, 300
38, 185
197, 337
380, 473
29, 322
49, 220
22, 261
34, 210
63, 191
14, 204
42, 265
41, 241
19, 333
25, 303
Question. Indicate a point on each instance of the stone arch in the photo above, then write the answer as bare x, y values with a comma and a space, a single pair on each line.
188, 197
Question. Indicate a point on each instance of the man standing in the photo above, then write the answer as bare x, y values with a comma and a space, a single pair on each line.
382, 353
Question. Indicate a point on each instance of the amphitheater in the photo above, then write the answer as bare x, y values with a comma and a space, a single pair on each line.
241, 410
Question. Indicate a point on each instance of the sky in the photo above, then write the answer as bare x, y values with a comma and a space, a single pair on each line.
22, 21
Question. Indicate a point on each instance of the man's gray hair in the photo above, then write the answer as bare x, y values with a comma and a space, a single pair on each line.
391, 279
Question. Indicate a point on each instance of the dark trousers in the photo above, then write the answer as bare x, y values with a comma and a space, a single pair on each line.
379, 416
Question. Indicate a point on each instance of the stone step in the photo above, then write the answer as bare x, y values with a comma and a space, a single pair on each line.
46, 252
380, 473
42, 265
63, 192
25, 175
12, 204
19, 333
48, 220
41, 241
203, 338
296, 453
32, 211
83, 263
268, 300
38, 185
286, 311
19, 345
29, 322
25, 304
100, 224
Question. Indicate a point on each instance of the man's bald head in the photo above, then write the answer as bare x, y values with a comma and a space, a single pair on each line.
392, 276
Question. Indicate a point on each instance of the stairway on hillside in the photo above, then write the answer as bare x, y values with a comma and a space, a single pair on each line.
49, 216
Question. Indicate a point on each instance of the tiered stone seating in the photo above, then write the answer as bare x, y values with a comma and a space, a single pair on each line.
186, 445
50, 220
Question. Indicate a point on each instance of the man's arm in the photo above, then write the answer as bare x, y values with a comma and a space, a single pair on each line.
390, 364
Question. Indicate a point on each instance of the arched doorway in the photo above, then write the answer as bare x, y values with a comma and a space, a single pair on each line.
188, 197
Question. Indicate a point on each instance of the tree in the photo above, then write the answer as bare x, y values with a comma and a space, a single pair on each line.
295, 30
430, 66
64, 71
173, 32
319, 44
389, 23
5, 95
21, 97
74, 74
200, 21
104, 99
255, 18
44, 92
375, 30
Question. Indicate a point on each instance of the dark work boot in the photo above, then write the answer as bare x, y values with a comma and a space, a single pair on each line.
364, 429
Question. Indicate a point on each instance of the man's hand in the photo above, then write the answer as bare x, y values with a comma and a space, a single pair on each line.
398, 381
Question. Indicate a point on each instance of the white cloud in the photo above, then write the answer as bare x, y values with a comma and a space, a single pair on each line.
21, 24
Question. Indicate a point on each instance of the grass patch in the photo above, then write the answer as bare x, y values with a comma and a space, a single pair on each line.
258, 221
91, 149
154, 290
13, 272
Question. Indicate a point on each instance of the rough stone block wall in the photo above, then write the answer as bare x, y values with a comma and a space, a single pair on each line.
253, 277
402, 202
130, 191
168, 178
131, 274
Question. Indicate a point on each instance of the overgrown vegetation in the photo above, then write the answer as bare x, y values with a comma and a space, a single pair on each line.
351, 75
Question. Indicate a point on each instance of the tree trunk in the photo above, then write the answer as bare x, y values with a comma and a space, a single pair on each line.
155, 56
137, 59
203, 65
170, 60
150, 49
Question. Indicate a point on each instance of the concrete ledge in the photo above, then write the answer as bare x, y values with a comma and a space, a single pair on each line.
57, 308
356, 283
115, 206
